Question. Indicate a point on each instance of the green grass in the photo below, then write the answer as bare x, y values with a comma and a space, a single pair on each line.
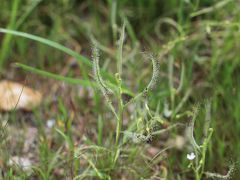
107, 132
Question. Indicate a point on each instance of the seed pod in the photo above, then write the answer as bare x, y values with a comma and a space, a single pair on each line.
155, 75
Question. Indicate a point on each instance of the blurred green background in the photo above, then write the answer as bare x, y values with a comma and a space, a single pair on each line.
209, 53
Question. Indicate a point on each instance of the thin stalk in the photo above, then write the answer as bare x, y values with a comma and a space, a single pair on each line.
27, 13
113, 19
120, 51
119, 94
7, 39
170, 78
197, 175
119, 119
119, 83
205, 145
119, 122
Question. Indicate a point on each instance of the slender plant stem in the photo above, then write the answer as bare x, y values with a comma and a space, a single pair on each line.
7, 39
119, 124
205, 145
119, 119
120, 113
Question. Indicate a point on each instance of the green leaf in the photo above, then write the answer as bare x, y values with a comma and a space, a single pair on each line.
53, 44
69, 80
68, 51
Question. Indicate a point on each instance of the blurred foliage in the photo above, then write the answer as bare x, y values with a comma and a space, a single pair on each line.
210, 53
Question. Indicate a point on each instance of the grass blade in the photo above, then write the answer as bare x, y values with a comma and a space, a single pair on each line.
58, 46
66, 50
7, 39
69, 80
27, 13
53, 44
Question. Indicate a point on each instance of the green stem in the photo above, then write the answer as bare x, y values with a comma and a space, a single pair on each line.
205, 145
197, 176
119, 125
7, 39
113, 19
119, 119
120, 113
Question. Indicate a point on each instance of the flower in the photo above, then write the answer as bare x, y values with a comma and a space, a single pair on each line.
50, 123
191, 156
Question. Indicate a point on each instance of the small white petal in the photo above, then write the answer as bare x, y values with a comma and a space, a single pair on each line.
50, 123
166, 111
191, 156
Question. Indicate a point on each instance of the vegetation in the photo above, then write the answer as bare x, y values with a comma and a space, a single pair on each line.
140, 89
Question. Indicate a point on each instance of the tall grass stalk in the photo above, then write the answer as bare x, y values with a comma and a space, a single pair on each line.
119, 80
107, 91
7, 39
200, 151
